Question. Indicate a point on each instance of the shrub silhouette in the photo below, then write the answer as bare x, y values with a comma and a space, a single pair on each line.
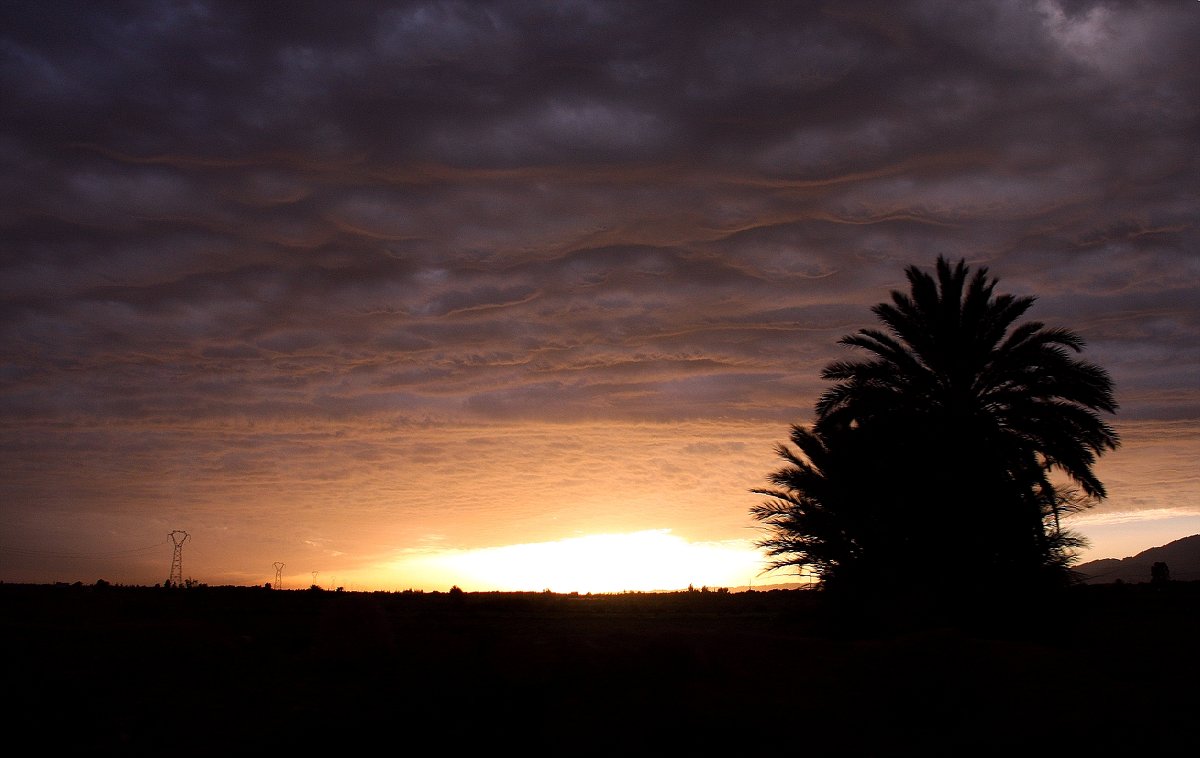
930, 461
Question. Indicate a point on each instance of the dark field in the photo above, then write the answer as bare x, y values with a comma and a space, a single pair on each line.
226, 671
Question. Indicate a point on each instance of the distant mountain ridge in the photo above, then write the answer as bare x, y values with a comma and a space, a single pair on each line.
1181, 556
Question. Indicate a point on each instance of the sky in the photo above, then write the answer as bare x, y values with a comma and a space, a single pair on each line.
521, 295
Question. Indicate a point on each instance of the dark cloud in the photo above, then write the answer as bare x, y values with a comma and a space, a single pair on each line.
510, 213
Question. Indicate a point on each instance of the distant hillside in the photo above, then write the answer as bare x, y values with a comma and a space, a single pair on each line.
1181, 556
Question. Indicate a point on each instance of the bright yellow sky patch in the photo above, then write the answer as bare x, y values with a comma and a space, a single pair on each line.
638, 561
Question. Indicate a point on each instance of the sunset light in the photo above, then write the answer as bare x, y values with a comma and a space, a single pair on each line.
640, 561
524, 295
600, 378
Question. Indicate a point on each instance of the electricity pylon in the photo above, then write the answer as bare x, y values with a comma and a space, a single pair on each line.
178, 537
278, 575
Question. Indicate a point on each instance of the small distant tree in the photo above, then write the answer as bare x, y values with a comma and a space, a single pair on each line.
929, 461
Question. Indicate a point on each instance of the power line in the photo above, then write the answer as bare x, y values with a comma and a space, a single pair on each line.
34, 553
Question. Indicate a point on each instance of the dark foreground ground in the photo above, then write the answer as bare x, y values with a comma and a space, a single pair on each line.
231, 671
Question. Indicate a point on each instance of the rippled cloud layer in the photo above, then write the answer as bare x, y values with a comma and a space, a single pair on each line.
318, 282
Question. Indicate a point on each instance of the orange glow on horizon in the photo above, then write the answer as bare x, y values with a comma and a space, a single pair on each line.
638, 561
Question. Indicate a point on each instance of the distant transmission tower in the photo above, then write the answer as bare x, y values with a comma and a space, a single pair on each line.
178, 537
315, 578
278, 576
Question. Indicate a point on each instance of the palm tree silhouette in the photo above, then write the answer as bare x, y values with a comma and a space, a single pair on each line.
937, 451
